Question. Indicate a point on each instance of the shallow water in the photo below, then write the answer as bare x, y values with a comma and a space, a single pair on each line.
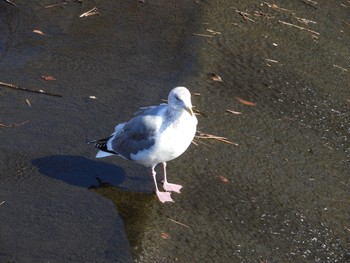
285, 197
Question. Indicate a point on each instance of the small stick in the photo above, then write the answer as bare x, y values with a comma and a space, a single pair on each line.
271, 60
274, 6
336, 66
179, 223
213, 32
310, 3
54, 5
93, 11
300, 27
233, 112
201, 35
2, 202
197, 142
304, 20
194, 143
202, 135
11, 86
346, 23
11, 3
313, 2
265, 15
245, 16
12, 125
198, 112
28, 102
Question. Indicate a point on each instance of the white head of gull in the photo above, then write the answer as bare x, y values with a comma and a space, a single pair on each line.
158, 134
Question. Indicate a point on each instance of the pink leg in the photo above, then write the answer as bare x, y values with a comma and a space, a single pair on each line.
162, 196
168, 186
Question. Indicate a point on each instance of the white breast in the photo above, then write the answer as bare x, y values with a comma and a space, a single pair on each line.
170, 143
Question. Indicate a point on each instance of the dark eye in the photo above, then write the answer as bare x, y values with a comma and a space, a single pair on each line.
177, 98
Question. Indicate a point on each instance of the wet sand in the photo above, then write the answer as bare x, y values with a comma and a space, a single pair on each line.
281, 195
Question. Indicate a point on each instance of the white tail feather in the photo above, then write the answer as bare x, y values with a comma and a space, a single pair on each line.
101, 154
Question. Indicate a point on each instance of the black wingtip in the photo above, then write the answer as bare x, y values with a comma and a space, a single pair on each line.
92, 142
101, 144
98, 143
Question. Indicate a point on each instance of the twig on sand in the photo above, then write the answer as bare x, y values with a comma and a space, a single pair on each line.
339, 67
179, 223
195, 142
274, 6
201, 35
2, 203
11, 3
271, 60
202, 135
213, 32
234, 112
346, 23
304, 20
265, 15
55, 5
310, 3
91, 12
12, 125
214, 77
198, 112
246, 102
245, 16
11, 86
300, 27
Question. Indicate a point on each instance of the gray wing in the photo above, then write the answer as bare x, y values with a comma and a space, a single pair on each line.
138, 133
151, 110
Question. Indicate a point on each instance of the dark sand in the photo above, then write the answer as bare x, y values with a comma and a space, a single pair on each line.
281, 195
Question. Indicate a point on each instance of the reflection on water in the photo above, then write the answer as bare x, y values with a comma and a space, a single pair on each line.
134, 208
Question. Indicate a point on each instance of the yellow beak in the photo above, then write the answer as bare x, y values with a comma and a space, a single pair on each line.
189, 110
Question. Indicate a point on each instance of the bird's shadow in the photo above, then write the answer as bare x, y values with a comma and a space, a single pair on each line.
99, 176
80, 171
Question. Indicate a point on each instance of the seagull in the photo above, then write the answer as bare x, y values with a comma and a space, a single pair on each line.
157, 134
